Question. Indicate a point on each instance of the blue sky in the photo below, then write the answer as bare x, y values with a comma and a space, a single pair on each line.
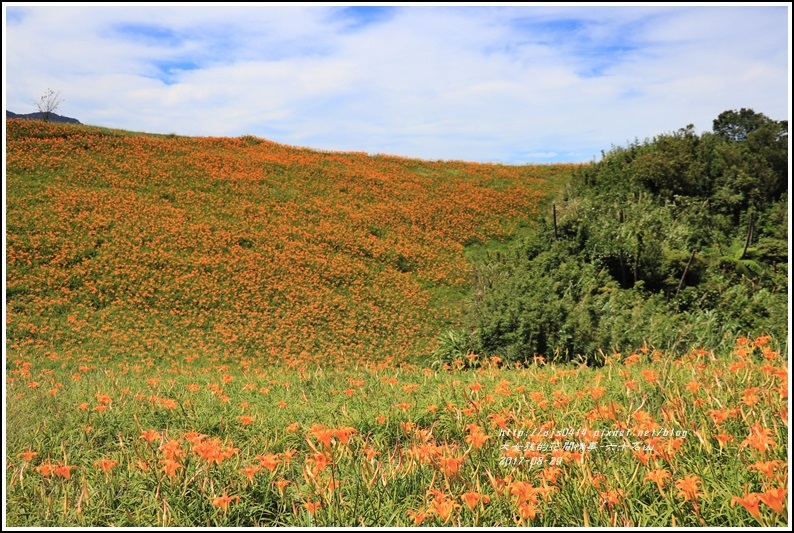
512, 84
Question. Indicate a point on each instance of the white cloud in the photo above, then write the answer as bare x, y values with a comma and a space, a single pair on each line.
509, 84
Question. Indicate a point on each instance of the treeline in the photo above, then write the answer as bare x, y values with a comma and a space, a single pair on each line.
672, 243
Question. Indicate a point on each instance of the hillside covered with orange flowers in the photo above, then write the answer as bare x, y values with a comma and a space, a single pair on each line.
121, 243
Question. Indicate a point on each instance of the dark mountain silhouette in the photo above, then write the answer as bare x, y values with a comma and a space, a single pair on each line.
40, 116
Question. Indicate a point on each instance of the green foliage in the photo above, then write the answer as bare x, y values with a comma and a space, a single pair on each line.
674, 242
453, 347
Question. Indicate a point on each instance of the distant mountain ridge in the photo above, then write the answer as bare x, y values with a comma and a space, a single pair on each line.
40, 116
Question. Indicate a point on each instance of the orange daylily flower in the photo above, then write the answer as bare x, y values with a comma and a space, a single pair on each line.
323, 434
63, 471
643, 456
193, 437
417, 516
281, 484
312, 507
762, 340
287, 455
760, 438
766, 467
650, 375
103, 399
476, 387
471, 499
269, 461
612, 497
774, 498
207, 449
658, 476
27, 456
250, 472
443, 507
770, 355
632, 359
693, 386
688, 487
631, 384
723, 439
150, 435
45, 470
224, 501
477, 439
170, 467
320, 462
551, 473
545, 491
750, 503
499, 420
524, 491
106, 464
749, 397
527, 510
344, 434
172, 450
370, 452
450, 466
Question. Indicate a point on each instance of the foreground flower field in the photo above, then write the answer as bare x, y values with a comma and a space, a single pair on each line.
646, 440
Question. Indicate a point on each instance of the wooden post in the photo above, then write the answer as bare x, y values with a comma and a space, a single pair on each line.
749, 236
686, 269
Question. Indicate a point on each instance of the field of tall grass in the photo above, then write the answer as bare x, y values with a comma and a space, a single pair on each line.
232, 332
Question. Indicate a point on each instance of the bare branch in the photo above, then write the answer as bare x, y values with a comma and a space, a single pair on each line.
49, 103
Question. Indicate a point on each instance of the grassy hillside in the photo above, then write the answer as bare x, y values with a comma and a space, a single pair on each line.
124, 243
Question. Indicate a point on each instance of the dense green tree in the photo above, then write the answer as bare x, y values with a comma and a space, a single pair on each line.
738, 125
677, 241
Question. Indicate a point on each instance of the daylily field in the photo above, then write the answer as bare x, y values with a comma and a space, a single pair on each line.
233, 332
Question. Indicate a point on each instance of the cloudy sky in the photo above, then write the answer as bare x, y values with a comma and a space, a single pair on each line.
511, 84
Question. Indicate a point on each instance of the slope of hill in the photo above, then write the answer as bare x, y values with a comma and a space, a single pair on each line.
40, 116
121, 243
